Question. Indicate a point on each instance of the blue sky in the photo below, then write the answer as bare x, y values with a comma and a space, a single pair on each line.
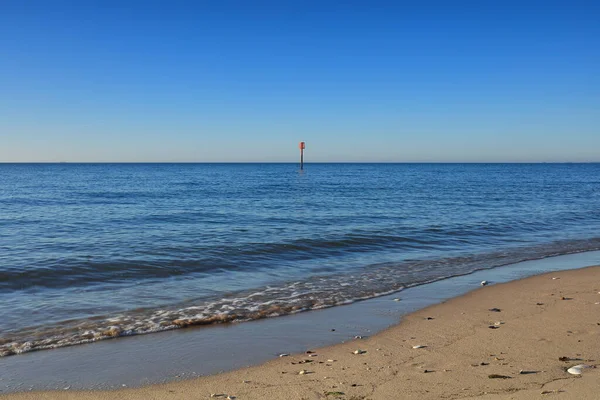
246, 80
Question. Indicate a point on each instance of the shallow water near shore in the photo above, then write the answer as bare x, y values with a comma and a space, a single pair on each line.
183, 354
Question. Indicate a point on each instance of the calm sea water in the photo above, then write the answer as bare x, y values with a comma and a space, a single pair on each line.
93, 251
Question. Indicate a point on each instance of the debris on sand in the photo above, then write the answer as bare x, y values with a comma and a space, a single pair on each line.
496, 376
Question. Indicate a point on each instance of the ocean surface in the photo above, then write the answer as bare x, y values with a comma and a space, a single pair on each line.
96, 251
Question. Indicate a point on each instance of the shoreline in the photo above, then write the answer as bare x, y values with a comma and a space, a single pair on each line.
530, 337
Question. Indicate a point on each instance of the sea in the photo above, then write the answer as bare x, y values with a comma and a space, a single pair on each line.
90, 252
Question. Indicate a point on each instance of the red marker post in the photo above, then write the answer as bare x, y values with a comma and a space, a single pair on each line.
302, 146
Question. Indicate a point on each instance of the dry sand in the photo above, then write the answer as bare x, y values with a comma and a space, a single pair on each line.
541, 319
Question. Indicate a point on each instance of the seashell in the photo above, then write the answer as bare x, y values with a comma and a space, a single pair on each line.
498, 323
284, 355
419, 346
230, 397
396, 299
555, 278
483, 283
578, 369
303, 372
359, 351
358, 337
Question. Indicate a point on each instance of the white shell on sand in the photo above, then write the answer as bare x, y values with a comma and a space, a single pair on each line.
359, 351
578, 369
483, 283
303, 372
283, 355
419, 346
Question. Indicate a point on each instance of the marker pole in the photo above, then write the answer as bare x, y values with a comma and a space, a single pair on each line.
302, 147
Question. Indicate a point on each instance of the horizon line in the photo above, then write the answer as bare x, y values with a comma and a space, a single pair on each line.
296, 162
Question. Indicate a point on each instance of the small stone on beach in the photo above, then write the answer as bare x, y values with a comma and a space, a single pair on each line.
419, 346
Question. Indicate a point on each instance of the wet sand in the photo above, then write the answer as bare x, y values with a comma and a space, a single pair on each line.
540, 320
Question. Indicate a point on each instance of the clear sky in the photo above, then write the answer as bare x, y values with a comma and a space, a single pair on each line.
222, 80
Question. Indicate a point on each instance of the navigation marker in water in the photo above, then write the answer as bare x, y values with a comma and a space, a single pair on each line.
302, 146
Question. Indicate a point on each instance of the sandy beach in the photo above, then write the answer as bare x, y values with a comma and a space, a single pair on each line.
504, 341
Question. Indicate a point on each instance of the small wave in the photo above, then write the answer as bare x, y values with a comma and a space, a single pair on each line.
272, 301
